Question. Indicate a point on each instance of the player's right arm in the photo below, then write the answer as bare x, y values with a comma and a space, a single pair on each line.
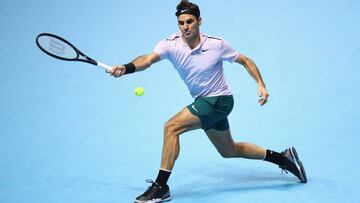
141, 63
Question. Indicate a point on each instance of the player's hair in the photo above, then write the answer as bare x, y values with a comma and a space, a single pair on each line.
186, 7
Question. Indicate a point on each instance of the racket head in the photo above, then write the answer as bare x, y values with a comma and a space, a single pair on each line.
57, 47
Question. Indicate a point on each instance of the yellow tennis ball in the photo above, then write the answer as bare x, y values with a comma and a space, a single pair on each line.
139, 91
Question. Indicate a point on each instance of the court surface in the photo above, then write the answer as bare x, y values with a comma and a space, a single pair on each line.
71, 133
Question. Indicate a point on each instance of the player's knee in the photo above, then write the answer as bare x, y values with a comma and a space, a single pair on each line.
171, 128
227, 154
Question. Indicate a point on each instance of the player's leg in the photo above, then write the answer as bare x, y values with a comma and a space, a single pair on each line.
223, 142
182, 122
286, 160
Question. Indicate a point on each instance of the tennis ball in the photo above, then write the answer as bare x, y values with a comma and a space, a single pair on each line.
139, 91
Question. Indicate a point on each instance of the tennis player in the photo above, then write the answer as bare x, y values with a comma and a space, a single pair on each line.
198, 58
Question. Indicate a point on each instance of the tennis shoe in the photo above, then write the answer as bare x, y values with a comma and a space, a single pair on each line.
154, 193
293, 164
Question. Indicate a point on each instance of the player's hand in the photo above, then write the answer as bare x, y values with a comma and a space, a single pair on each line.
117, 71
263, 94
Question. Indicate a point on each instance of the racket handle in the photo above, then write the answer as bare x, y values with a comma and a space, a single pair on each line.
104, 66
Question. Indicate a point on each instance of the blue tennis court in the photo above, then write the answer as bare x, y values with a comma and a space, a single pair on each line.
71, 133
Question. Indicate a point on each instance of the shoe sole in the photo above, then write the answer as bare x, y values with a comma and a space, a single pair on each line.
299, 165
155, 200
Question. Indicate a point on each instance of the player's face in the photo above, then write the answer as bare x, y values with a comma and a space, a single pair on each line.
189, 26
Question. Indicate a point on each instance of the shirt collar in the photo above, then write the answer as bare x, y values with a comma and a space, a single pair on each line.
203, 38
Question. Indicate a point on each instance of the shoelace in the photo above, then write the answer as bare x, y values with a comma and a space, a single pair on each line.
283, 166
150, 181
151, 189
283, 169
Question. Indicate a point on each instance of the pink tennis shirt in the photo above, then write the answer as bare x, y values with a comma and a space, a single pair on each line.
202, 67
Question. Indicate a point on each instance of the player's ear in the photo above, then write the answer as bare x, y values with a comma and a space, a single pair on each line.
199, 20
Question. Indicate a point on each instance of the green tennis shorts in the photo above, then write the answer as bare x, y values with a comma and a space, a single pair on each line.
213, 111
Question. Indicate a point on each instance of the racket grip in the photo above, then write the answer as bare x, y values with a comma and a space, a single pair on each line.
104, 66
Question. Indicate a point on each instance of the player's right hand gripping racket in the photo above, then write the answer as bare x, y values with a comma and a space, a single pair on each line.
60, 48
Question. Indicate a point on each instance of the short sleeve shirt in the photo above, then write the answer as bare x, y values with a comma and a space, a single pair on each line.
200, 68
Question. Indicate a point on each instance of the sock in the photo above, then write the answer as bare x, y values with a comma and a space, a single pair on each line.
163, 177
274, 157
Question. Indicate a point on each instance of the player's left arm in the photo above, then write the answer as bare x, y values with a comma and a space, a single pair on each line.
252, 69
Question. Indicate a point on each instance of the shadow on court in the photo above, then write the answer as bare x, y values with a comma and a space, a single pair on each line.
218, 182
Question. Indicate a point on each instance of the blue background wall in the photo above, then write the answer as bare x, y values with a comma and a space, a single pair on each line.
71, 133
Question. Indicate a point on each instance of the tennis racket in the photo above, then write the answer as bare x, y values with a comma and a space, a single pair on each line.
60, 48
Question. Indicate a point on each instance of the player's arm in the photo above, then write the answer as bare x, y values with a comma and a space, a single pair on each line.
252, 69
138, 64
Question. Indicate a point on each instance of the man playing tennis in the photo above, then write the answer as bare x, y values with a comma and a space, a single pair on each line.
199, 60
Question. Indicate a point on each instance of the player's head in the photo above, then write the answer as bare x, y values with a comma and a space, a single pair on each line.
189, 20
186, 7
